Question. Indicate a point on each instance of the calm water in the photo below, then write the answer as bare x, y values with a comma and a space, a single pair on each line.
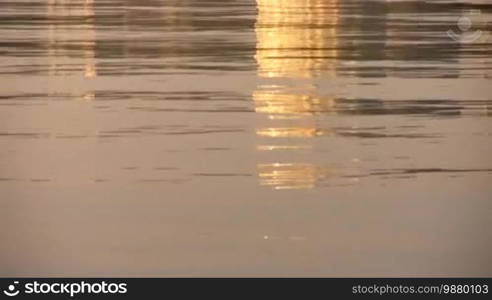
243, 137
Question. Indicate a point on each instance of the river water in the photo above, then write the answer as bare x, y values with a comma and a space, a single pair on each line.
245, 138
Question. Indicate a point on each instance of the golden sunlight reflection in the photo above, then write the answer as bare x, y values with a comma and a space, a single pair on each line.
282, 176
282, 147
280, 102
294, 39
67, 44
288, 132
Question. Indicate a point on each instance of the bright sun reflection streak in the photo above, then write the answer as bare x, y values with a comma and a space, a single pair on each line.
82, 35
295, 39
290, 132
282, 176
283, 147
286, 47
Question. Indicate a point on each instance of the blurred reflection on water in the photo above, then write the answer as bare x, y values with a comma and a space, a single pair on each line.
243, 137
294, 39
81, 36
305, 40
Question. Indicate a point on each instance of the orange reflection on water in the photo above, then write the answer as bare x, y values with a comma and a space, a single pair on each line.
283, 176
296, 38
281, 102
289, 132
69, 42
282, 147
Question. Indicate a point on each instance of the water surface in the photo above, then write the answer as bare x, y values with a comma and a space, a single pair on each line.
245, 138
